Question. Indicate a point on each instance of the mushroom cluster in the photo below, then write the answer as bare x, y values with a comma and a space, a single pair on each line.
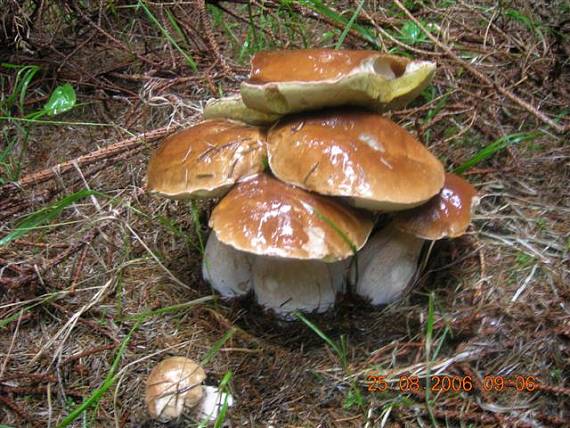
306, 165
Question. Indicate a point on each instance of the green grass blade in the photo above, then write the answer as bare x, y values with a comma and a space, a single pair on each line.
23, 79
142, 316
318, 7
45, 215
110, 379
189, 60
349, 25
496, 146
217, 346
339, 350
223, 386
197, 225
338, 231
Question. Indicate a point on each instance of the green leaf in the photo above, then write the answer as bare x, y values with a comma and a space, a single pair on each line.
45, 215
411, 33
62, 99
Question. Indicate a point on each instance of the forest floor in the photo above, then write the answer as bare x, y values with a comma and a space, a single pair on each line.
99, 281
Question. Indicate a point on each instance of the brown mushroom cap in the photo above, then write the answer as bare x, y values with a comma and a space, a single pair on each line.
357, 154
267, 217
288, 81
175, 383
206, 159
446, 215
308, 65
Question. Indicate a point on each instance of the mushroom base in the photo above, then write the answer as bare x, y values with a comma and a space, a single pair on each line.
387, 265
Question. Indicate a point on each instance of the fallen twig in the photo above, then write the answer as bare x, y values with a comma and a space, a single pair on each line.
87, 159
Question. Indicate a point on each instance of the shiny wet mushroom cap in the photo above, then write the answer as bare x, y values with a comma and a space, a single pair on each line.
173, 385
288, 81
265, 216
447, 214
206, 159
357, 154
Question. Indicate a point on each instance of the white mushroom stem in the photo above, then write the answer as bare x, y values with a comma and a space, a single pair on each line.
226, 269
213, 402
287, 285
387, 265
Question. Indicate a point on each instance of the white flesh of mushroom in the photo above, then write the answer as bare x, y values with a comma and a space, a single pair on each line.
386, 265
287, 285
212, 403
226, 269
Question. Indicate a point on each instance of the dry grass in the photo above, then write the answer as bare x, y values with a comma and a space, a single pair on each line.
71, 291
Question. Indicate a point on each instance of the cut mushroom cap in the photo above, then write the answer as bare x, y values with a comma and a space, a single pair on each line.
175, 383
226, 269
267, 217
288, 81
387, 265
206, 159
232, 107
447, 214
288, 285
361, 155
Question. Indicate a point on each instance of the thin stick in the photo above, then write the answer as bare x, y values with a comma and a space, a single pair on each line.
88, 159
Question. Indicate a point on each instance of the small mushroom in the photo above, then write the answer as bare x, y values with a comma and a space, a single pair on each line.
448, 214
206, 159
173, 385
232, 107
290, 234
288, 81
357, 154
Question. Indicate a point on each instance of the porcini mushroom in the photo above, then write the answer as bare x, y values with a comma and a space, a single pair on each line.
292, 233
288, 81
388, 263
232, 107
206, 159
360, 155
446, 215
173, 385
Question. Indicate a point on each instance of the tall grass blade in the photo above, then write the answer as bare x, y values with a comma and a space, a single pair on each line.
45, 215
189, 60
319, 7
349, 25
217, 346
496, 146
110, 379
339, 349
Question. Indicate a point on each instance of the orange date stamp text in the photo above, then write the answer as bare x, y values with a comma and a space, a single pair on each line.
446, 383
